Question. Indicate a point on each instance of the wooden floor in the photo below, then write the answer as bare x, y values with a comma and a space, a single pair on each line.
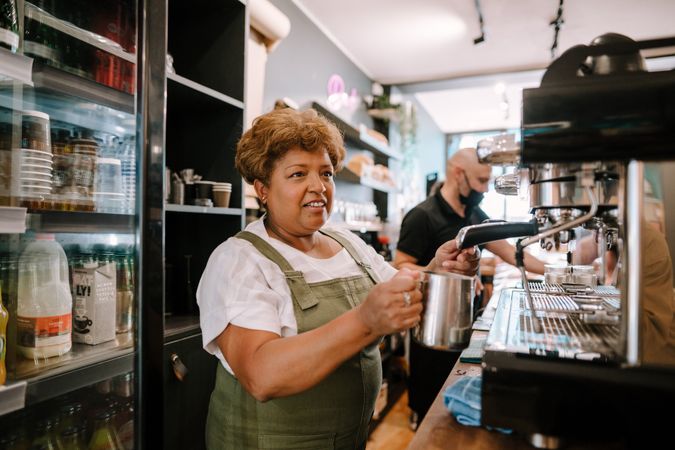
394, 432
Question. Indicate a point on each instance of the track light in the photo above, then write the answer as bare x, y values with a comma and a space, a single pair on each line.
557, 24
480, 38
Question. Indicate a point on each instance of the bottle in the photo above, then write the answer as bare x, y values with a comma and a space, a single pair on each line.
124, 317
44, 436
105, 435
45, 303
4, 317
9, 25
72, 438
70, 415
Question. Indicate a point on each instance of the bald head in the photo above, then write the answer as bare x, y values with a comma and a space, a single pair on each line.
465, 162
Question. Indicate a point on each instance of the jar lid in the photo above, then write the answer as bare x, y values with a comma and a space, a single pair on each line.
113, 161
33, 113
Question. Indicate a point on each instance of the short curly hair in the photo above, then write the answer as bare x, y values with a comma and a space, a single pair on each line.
276, 132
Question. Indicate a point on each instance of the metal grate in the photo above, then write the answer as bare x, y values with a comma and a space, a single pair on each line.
563, 334
543, 302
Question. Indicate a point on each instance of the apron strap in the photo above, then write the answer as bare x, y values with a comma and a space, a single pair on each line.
365, 267
300, 290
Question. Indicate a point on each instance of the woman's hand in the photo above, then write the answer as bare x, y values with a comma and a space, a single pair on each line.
449, 259
394, 305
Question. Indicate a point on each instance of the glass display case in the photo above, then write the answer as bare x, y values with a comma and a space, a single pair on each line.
70, 223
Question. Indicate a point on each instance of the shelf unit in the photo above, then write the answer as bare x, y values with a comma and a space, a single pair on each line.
357, 139
204, 121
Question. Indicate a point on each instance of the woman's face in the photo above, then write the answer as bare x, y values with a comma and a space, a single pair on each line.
299, 196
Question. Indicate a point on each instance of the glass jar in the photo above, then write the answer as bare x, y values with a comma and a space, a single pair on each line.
35, 133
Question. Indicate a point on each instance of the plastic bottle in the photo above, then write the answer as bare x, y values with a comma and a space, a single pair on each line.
4, 317
45, 303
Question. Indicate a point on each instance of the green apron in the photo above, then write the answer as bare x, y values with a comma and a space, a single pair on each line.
334, 414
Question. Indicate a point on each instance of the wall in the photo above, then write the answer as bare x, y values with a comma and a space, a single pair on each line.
299, 68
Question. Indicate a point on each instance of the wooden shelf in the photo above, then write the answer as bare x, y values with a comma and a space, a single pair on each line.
357, 136
205, 90
350, 177
203, 209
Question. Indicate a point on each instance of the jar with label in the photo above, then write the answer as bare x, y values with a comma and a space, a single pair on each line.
35, 133
79, 194
44, 300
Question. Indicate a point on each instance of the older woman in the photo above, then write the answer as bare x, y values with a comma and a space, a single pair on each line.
293, 310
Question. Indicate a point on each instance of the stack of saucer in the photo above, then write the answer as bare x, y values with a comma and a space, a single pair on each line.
221, 194
31, 174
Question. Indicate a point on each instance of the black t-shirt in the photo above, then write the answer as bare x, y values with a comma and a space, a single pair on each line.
432, 223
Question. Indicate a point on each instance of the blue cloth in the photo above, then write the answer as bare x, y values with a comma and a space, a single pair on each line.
462, 399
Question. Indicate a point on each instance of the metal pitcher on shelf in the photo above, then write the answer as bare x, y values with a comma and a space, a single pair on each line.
448, 311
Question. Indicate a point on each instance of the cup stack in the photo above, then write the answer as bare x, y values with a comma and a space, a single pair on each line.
31, 165
221, 194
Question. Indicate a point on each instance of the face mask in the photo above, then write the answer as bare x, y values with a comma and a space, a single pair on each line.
473, 199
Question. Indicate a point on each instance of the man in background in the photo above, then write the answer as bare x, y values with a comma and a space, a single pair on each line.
436, 220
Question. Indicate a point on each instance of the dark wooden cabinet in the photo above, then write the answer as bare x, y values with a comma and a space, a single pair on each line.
187, 390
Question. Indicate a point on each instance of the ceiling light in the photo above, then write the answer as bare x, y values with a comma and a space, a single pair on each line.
480, 38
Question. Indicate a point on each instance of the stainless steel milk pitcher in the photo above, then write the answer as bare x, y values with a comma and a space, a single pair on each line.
448, 311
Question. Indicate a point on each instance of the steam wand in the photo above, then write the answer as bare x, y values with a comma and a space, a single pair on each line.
520, 263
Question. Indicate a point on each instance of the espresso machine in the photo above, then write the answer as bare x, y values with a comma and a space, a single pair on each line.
565, 358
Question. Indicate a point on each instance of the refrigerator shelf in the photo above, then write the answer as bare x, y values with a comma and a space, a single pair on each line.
80, 222
82, 366
50, 78
91, 38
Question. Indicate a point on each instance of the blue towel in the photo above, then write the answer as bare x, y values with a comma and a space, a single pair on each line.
462, 399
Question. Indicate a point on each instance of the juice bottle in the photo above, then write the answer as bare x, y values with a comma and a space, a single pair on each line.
4, 316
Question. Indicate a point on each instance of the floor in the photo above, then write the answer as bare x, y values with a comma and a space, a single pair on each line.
394, 432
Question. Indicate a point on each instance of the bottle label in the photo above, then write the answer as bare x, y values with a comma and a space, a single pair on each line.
43, 331
9, 37
39, 50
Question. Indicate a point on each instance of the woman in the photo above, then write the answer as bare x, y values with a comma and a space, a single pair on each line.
295, 311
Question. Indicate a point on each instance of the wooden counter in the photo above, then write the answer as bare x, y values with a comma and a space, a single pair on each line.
439, 430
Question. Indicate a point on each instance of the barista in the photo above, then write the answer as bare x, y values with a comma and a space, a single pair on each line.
435, 221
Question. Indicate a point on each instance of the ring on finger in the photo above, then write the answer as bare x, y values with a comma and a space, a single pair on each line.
406, 298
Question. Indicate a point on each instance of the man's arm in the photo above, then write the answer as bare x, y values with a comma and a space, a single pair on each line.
402, 259
507, 252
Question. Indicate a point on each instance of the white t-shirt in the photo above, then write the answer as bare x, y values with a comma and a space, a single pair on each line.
241, 286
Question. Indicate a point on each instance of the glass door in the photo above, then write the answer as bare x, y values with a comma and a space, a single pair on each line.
69, 223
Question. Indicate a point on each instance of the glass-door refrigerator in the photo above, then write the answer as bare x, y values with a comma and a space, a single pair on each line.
79, 243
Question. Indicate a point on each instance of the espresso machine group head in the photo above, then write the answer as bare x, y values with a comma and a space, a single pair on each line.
559, 356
